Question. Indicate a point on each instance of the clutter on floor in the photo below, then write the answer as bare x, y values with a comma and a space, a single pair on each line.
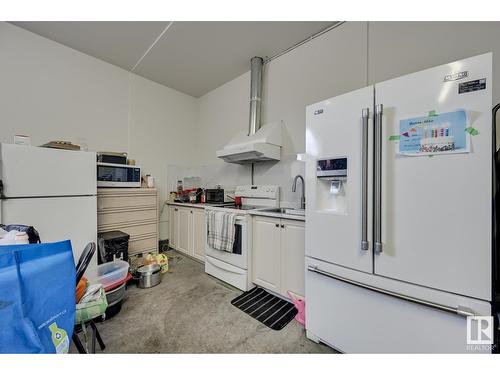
148, 276
90, 306
191, 312
113, 277
18, 234
112, 245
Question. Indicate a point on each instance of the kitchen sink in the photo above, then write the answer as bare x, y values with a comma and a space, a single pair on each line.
287, 211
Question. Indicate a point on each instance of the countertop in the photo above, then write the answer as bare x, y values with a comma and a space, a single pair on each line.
251, 212
195, 205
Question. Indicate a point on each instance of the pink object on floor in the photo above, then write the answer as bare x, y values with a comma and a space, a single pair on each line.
300, 305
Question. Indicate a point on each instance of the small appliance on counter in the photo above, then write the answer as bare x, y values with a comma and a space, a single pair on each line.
214, 195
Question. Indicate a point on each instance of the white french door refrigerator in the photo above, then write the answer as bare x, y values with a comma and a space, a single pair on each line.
52, 190
399, 253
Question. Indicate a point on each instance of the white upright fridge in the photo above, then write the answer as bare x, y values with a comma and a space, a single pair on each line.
52, 190
399, 253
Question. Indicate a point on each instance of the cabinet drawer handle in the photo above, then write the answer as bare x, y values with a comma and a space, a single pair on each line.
282, 225
176, 209
277, 225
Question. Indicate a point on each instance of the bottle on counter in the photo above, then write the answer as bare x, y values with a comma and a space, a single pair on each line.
179, 187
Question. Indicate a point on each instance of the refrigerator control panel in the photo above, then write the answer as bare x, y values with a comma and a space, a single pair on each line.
331, 167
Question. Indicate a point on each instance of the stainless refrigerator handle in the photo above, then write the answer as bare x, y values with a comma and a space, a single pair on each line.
377, 220
364, 180
459, 310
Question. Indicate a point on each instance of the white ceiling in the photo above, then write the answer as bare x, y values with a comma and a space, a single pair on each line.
192, 57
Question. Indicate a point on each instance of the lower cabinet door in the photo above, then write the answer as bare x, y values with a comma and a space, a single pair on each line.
292, 257
199, 233
185, 231
173, 226
266, 253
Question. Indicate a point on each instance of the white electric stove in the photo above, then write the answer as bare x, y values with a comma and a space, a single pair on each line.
235, 268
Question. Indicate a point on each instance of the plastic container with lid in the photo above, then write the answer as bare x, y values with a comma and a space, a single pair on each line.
111, 273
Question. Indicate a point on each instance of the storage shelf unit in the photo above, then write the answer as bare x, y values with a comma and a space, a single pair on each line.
133, 211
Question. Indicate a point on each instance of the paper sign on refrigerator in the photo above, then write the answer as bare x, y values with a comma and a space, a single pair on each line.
436, 134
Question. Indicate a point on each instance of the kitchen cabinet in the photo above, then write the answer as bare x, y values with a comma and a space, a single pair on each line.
185, 223
267, 253
199, 233
278, 254
292, 256
188, 233
173, 225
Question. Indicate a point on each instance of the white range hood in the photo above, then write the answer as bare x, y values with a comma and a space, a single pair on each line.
264, 145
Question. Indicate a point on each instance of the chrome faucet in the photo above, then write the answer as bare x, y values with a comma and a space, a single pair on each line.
294, 188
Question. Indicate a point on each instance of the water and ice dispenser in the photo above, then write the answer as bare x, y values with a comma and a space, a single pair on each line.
331, 184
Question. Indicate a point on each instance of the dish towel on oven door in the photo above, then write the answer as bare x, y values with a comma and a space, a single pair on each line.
221, 231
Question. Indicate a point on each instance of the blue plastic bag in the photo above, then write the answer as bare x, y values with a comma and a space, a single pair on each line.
37, 298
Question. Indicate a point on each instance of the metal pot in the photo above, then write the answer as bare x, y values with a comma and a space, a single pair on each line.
149, 276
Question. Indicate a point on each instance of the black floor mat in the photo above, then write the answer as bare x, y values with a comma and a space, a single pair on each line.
268, 309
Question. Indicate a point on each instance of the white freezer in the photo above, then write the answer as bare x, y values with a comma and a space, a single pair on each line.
28, 171
353, 319
57, 219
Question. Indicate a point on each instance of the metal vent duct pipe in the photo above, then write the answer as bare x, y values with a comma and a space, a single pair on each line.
255, 93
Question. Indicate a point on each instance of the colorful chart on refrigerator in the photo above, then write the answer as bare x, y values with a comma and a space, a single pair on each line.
435, 134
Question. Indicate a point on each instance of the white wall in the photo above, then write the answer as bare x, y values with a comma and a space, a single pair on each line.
329, 65
161, 132
348, 57
49, 91
398, 48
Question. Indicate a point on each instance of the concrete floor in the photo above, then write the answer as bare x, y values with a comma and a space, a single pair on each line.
191, 312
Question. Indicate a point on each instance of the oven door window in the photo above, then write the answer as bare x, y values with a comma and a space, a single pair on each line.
237, 239
115, 174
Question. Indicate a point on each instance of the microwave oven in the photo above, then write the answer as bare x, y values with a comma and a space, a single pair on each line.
214, 195
118, 175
